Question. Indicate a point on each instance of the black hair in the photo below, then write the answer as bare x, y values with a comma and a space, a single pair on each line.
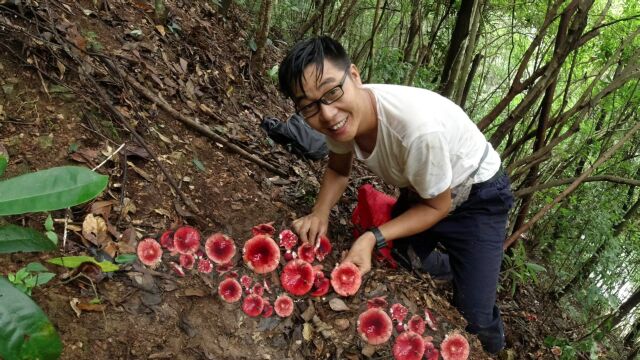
306, 52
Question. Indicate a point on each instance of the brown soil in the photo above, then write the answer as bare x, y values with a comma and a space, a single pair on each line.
156, 314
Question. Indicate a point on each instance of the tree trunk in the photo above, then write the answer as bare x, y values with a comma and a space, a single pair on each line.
318, 13
414, 30
340, 25
257, 62
469, 81
616, 317
377, 20
464, 73
456, 47
632, 335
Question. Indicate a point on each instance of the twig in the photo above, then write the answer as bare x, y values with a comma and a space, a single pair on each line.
109, 157
192, 123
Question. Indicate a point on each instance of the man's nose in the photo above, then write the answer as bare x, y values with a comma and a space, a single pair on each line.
327, 112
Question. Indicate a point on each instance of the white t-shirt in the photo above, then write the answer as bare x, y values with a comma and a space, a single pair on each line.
424, 141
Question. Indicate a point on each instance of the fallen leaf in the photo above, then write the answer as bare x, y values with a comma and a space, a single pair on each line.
307, 331
102, 208
94, 229
183, 65
342, 324
74, 305
337, 304
161, 29
91, 307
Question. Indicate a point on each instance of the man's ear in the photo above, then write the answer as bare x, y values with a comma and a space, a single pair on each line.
355, 75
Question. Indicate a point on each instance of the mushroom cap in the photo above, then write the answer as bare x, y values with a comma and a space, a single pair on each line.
416, 324
166, 240
398, 312
220, 248
306, 252
229, 290
346, 279
186, 240
288, 239
377, 302
257, 289
297, 277
321, 287
253, 305
374, 326
263, 229
283, 305
430, 351
187, 261
454, 347
267, 310
261, 253
149, 252
204, 266
323, 248
246, 281
408, 346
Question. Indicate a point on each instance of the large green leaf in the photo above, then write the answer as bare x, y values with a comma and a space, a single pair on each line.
51, 189
75, 261
25, 330
3, 162
16, 238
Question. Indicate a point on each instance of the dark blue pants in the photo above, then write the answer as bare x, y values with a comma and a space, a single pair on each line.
473, 236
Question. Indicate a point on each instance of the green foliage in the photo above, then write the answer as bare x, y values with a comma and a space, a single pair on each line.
16, 238
273, 73
93, 44
25, 331
4, 160
569, 350
519, 271
51, 189
126, 258
30, 276
75, 261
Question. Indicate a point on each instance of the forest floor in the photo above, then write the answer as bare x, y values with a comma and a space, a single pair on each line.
199, 64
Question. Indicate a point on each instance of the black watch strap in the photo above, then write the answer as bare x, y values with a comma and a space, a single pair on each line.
381, 242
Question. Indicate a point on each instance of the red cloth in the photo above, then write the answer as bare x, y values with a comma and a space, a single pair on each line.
373, 209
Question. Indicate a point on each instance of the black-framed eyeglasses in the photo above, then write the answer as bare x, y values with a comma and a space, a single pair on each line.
332, 95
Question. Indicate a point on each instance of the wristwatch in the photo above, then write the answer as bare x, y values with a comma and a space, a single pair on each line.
381, 242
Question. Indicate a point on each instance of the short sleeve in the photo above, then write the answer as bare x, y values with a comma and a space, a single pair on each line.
428, 165
338, 147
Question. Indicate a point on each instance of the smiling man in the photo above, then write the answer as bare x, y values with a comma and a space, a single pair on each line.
453, 190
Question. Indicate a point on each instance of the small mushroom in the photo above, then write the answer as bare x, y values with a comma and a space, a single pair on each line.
408, 346
374, 326
261, 254
149, 252
416, 324
297, 277
346, 279
283, 305
220, 248
288, 239
253, 305
454, 347
229, 290
186, 240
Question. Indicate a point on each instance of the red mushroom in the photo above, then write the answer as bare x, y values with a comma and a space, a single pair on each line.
186, 240
230, 290
321, 287
187, 261
288, 256
149, 252
220, 248
416, 324
323, 248
346, 279
166, 240
430, 351
430, 320
253, 305
283, 305
267, 310
246, 281
306, 252
263, 229
261, 254
377, 302
288, 239
374, 326
408, 346
454, 347
398, 312
297, 277
257, 289
204, 266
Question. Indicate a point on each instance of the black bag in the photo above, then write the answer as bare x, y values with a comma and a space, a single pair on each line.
297, 136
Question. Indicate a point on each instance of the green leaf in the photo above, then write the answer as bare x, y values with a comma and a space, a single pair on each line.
36, 267
25, 330
252, 45
21, 274
73, 148
126, 258
535, 267
198, 164
52, 236
4, 160
51, 189
48, 224
75, 261
43, 278
16, 238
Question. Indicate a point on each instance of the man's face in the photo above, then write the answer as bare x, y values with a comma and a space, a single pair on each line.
339, 119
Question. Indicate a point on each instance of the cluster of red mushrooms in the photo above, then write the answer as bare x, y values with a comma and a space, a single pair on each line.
299, 276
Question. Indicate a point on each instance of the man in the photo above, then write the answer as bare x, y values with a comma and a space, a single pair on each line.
426, 145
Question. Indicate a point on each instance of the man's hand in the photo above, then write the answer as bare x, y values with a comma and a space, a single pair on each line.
360, 252
309, 228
